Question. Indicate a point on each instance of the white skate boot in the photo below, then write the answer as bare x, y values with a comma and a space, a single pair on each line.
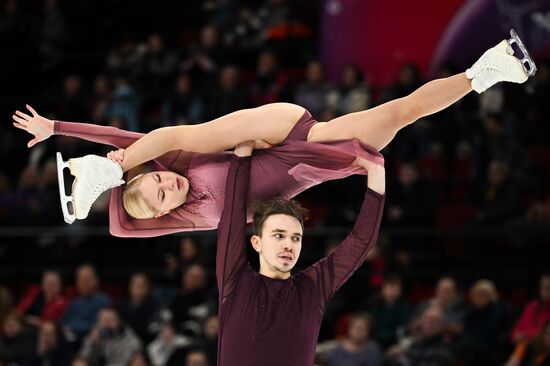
93, 176
499, 64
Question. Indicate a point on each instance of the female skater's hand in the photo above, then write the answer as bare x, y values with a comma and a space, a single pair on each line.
41, 128
376, 174
244, 149
116, 155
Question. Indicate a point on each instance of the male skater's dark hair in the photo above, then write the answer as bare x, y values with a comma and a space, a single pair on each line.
277, 206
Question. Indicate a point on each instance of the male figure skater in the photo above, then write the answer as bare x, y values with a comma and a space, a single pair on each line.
273, 317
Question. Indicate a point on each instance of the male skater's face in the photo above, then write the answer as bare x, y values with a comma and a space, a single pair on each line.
279, 245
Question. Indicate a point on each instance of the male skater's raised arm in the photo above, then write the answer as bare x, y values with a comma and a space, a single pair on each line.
332, 271
231, 250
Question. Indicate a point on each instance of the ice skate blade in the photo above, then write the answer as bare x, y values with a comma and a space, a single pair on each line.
69, 218
527, 62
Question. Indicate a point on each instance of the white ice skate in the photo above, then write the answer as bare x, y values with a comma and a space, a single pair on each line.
93, 176
500, 64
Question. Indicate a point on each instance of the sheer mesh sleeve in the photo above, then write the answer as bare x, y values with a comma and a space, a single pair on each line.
230, 251
96, 133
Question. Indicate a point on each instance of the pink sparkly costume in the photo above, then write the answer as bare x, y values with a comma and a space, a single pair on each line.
286, 169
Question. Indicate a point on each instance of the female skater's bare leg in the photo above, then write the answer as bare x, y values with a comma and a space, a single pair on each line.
376, 127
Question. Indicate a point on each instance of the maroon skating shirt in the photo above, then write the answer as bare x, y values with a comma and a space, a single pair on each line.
265, 321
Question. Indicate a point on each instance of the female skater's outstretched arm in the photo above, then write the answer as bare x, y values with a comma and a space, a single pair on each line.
270, 123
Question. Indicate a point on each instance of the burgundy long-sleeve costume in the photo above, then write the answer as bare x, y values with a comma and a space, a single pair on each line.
265, 321
286, 169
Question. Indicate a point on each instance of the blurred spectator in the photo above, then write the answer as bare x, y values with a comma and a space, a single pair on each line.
157, 65
498, 141
168, 348
313, 93
125, 105
228, 97
15, 342
412, 200
141, 310
83, 309
45, 302
351, 95
535, 314
138, 359
175, 263
6, 304
492, 102
271, 20
189, 305
54, 36
533, 353
429, 347
100, 99
270, 80
500, 201
484, 325
110, 342
183, 106
539, 212
123, 61
210, 339
357, 348
204, 58
196, 358
49, 350
224, 15
448, 300
389, 311
79, 361
27, 201
73, 103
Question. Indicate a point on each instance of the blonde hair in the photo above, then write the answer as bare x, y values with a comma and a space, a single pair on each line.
485, 286
134, 202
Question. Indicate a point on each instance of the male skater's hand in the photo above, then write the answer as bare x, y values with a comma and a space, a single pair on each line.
376, 174
244, 149
41, 128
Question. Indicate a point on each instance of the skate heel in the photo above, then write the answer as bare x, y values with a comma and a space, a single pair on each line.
75, 167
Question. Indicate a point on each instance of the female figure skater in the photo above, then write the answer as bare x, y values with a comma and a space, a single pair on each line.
187, 191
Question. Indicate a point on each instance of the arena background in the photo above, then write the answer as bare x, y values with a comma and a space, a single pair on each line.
468, 193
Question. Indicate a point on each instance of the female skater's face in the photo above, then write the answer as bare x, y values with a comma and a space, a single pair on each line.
164, 191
